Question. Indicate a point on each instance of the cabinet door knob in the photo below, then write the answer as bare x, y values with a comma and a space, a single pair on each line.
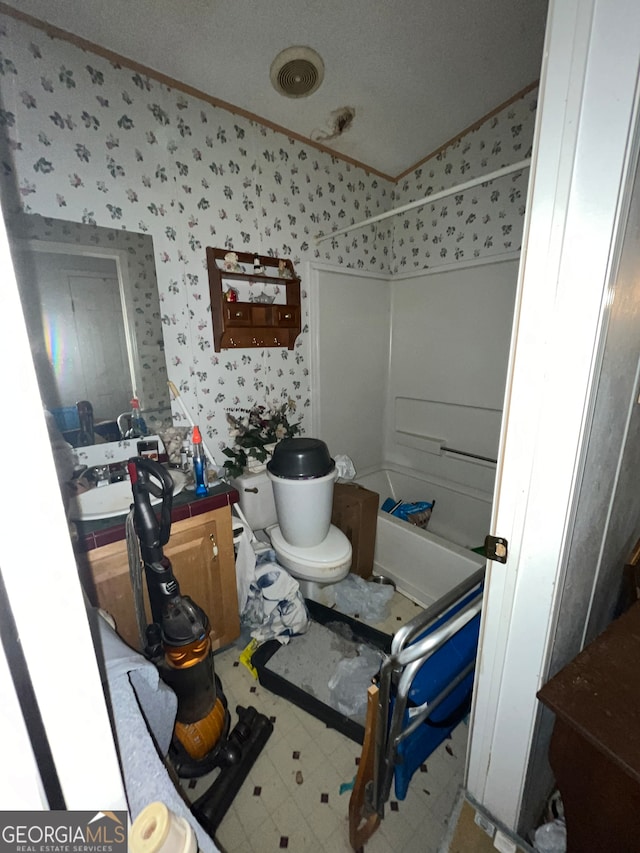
214, 546
288, 316
238, 314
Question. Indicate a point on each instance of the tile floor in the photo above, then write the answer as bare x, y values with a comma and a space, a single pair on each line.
291, 799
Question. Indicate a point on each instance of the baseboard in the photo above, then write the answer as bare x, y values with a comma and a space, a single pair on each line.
473, 830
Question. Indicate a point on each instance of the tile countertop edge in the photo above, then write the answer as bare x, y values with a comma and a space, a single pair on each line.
224, 496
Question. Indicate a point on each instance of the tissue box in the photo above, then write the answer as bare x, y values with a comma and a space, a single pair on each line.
355, 512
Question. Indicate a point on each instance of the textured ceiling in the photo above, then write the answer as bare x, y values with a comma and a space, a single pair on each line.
416, 72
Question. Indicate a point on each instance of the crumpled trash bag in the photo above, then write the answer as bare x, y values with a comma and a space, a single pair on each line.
354, 595
275, 608
349, 683
551, 837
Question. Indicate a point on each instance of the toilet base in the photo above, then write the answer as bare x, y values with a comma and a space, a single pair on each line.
326, 573
315, 591
322, 564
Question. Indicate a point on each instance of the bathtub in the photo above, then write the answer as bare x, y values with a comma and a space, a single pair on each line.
426, 564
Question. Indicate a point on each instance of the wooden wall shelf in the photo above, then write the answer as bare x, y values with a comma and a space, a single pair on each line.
253, 324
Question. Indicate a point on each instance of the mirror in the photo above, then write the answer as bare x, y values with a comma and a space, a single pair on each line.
92, 310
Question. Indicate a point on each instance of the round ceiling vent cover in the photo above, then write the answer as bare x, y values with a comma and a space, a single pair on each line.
297, 72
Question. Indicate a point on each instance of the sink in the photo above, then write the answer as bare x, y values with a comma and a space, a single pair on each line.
114, 499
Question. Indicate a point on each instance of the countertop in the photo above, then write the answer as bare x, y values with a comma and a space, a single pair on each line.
94, 534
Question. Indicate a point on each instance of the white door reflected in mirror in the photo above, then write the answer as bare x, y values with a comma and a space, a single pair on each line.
72, 277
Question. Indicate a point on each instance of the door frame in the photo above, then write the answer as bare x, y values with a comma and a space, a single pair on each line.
580, 184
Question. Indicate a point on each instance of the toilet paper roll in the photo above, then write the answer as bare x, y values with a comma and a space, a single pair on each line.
159, 830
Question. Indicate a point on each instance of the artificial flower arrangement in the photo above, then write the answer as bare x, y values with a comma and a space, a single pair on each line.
255, 432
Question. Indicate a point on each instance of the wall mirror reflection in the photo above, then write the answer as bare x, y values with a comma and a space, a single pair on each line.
91, 305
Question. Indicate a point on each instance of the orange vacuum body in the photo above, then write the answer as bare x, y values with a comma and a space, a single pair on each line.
202, 718
199, 738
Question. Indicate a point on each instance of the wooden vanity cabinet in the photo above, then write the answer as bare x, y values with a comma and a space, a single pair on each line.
253, 324
201, 553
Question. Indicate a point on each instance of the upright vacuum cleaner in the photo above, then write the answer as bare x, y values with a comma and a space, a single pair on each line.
178, 643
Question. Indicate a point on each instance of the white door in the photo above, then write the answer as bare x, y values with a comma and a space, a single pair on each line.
101, 342
80, 326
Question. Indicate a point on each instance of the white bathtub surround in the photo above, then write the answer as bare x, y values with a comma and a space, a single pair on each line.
437, 346
461, 513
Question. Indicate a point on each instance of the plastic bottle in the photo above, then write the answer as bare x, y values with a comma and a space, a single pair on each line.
199, 463
185, 453
86, 435
138, 428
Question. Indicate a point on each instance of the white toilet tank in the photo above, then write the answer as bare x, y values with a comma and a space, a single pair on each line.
256, 499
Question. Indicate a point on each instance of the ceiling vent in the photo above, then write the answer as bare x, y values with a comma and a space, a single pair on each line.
297, 72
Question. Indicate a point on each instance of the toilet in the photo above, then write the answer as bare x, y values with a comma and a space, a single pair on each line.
289, 506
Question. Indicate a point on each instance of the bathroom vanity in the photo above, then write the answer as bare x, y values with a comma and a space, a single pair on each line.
201, 552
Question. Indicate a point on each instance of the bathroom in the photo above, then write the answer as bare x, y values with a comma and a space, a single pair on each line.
121, 190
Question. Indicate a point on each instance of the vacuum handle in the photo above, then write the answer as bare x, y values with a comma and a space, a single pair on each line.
153, 534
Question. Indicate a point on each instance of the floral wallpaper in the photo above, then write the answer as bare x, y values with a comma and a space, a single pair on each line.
484, 221
87, 140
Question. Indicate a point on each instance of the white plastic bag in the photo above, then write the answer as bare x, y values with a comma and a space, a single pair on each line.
345, 468
349, 683
551, 837
354, 595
